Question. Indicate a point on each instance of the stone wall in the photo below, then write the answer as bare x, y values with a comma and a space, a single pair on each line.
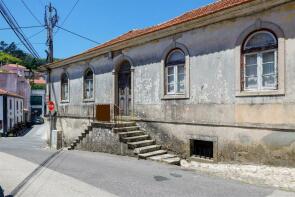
102, 139
245, 145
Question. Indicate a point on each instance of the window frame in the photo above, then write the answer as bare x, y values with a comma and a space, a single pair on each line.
62, 97
175, 74
259, 51
85, 84
259, 59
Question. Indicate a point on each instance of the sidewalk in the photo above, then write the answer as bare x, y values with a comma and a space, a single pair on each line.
279, 177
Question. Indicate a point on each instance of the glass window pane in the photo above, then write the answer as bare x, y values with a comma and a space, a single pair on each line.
180, 78
251, 59
268, 57
170, 70
171, 79
251, 71
260, 39
268, 68
170, 88
251, 82
176, 57
269, 81
180, 69
180, 88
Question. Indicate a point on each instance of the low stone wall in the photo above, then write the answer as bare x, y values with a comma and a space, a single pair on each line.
71, 127
103, 139
232, 145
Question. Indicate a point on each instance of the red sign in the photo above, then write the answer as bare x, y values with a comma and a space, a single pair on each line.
51, 105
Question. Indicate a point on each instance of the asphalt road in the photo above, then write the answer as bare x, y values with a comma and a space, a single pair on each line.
28, 168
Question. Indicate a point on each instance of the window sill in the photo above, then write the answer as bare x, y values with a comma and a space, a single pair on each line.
260, 93
64, 101
174, 97
88, 100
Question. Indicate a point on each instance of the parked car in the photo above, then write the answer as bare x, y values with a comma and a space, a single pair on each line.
37, 120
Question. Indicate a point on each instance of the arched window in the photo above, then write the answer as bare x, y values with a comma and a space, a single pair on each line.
88, 84
260, 62
64, 87
175, 72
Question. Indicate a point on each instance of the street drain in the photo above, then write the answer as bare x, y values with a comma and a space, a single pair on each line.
160, 178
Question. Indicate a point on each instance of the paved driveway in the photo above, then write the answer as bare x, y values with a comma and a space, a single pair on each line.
28, 168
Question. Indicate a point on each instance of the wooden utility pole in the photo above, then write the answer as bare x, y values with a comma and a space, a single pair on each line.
51, 20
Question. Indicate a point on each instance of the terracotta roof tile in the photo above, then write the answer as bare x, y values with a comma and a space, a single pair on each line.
191, 15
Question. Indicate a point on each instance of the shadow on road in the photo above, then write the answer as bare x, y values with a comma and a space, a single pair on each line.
2, 193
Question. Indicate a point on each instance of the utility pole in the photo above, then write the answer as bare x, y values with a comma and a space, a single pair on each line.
51, 20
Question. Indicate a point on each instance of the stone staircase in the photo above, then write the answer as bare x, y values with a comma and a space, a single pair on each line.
137, 140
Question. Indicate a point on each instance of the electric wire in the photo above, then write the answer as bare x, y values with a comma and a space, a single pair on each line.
77, 35
9, 18
30, 11
24, 27
68, 15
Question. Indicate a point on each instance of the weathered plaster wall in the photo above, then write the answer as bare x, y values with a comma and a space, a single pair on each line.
233, 144
212, 89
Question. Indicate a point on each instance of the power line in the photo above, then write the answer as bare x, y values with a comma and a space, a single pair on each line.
27, 7
25, 27
68, 15
36, 43
35, 34
77, 35
11, 21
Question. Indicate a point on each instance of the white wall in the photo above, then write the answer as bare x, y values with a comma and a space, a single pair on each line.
1, 113
14, 111
42, 94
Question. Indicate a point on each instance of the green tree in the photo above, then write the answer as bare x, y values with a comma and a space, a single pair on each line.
9, 59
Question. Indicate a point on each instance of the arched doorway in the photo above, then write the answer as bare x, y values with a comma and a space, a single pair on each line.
124, 88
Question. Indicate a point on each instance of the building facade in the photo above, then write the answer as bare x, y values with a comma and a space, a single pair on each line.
13, 79
11, 111
38, 102
217, 82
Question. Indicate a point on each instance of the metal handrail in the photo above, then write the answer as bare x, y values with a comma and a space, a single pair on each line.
117, 114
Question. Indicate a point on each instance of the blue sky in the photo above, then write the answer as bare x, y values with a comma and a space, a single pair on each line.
99, 20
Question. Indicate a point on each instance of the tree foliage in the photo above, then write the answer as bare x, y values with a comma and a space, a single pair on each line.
6, 58
10, 53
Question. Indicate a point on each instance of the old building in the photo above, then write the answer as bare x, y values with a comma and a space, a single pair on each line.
216, 82
11, 111
13, 79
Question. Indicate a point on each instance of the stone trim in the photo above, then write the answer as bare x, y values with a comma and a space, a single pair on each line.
213, 139
171, 47
278, 32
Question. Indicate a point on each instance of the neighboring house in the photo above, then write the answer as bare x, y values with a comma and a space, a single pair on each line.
216, 82
38, 97
12, 77
11, 111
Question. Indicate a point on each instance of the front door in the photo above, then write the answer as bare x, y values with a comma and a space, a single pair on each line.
124, 88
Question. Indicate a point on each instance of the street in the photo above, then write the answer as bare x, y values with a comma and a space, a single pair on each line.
28, 168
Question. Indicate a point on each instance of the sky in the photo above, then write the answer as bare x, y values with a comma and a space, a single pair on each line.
98, 20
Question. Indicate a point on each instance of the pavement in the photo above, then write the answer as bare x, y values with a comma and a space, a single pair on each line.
28, 169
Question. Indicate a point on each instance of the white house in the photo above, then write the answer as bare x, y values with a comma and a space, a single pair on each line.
11, 111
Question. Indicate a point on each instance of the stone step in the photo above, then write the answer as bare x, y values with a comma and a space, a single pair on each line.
125, 129
166, 158
136, 138
133, 145
147, 149
173, 161
131, 133
150, 154
161, 157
